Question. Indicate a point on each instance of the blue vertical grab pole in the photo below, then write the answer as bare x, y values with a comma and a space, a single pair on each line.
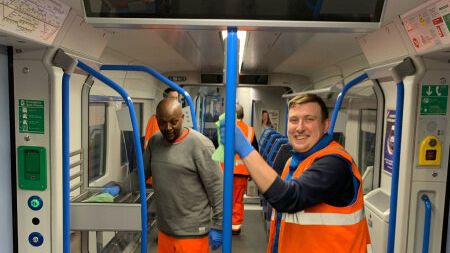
137, 147
395, 166
66, 162
171, 84
399, 72
230, 114
340, 99
68, 65
427, 224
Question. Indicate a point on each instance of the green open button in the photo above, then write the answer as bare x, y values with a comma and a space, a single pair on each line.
32, 168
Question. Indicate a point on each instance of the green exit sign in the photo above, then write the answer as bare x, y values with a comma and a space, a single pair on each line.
433, 100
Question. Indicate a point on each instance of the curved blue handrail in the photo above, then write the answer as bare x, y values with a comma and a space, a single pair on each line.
137, 146
395, 166
427, 224
230, 124
340, 99
171, 84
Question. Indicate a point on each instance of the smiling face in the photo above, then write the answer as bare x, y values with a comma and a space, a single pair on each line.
306, 126
170, 119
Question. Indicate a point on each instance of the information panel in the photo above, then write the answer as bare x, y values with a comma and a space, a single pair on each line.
31, 116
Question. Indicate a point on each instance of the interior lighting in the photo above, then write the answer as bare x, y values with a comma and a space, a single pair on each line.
242, 36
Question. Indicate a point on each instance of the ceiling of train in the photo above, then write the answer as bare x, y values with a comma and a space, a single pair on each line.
300, 53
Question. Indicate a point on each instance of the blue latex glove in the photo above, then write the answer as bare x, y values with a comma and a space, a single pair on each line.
112, 189
241, 145
215, 238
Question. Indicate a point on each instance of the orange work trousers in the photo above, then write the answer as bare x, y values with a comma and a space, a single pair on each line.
239, 187
170, 244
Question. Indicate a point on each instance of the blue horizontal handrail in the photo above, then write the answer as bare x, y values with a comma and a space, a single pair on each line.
340, 99
159, 76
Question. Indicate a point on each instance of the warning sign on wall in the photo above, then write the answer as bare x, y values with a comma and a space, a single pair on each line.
428, 26
31, 116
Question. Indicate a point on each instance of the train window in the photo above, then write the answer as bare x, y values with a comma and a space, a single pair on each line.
97, 140
127, 155
367, 141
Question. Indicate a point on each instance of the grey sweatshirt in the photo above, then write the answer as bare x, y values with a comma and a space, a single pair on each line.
188, 184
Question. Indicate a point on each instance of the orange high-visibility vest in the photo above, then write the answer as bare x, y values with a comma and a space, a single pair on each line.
151, 129
249, 133
323, 228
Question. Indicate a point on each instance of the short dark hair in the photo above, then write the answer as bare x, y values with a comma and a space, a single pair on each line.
310, 98
167, 91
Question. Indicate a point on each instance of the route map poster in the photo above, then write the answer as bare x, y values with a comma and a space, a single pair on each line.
38, 20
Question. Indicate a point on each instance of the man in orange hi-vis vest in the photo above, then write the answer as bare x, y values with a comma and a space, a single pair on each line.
318, 199
241, 174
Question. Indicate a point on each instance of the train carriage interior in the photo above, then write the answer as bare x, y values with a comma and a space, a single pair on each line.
81, 79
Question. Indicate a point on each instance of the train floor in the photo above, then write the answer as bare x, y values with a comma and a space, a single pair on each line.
252, 239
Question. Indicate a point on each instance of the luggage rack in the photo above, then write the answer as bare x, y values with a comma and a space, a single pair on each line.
121, 215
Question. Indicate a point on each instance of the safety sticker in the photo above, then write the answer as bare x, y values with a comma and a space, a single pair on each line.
31, 116
434, 100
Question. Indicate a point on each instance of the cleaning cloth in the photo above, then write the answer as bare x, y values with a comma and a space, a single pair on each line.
103, 197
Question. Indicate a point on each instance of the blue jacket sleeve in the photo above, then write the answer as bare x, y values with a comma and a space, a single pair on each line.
328, 180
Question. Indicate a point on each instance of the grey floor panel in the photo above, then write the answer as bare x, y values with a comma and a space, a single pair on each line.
253, 238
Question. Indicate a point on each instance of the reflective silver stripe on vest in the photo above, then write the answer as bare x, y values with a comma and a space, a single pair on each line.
303, 218
238, 162
250, 133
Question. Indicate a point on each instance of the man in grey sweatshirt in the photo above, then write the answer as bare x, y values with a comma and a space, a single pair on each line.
188, 184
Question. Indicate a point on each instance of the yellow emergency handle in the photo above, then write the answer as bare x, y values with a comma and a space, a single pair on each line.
430, 151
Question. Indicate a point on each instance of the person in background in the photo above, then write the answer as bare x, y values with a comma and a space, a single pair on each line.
188, 184
265, 120
171, 93
318, 199
241, 174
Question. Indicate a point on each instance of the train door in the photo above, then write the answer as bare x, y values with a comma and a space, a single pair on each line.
6, 209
